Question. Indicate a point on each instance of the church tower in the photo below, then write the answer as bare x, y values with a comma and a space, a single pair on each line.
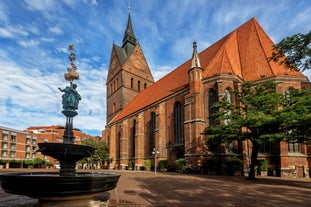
128, 73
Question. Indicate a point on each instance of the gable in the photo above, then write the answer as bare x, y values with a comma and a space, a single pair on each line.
137, 64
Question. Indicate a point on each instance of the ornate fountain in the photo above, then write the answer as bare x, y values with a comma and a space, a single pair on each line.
66, 187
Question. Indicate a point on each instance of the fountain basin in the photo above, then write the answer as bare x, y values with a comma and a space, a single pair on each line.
63, 151
50, 185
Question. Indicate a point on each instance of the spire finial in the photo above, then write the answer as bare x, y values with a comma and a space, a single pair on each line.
129, 6
195, 62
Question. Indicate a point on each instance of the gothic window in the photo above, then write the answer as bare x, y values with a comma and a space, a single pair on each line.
227, 98
134, 134
178, 123
212, 99
152, 131
119, 145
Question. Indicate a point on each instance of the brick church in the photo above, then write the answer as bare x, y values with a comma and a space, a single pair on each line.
171, 113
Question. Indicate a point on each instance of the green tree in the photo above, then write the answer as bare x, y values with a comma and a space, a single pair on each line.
296, 115
100, 154
294, 52
256, 117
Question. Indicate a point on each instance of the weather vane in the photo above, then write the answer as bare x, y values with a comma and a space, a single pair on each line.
72, 73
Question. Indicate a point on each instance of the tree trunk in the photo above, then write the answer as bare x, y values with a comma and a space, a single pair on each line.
252, 172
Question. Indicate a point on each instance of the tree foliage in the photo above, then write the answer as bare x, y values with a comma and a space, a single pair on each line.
100, 154
262, 116
294, 52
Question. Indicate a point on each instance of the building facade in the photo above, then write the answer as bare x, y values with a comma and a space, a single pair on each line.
171, 114
18, 147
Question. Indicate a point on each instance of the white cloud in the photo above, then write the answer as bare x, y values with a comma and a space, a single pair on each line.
30, 43
42, 5
13, 31
56, 30
5, 33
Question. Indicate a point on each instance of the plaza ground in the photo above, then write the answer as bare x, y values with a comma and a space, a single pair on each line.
142, 189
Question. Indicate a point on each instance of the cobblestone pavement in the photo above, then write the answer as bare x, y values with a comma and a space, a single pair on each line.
144, 189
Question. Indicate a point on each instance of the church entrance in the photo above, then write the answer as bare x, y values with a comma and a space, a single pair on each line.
175, 153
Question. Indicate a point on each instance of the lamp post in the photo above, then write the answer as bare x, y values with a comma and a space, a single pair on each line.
155, 152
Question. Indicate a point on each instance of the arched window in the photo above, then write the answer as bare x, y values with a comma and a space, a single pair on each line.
134, 134
178, 123
113, 107
138, 85
227, 98
118, 153
212, 99
152, 131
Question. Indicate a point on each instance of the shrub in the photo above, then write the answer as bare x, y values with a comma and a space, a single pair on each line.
181, 164
130, 165
234, 165
147, 164
263, 165
163, 164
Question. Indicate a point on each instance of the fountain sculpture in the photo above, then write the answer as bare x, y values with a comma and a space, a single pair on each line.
68, 187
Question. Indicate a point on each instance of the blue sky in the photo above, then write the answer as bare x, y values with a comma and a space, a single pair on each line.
35, 34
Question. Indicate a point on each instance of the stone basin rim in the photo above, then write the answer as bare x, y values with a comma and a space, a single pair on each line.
51, 184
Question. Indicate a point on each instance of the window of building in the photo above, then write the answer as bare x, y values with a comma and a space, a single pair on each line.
34, 141
4, 145
27, 140
119, 144
265, 148
212, 99
152, 131
13, 138
145, 85
27, 148
227, 98
4, 137
27, 155
134, 134
4, 153
294, 146
132, 83
12, 154
178, 123
229, 147
12, 146
113, 107
138, 85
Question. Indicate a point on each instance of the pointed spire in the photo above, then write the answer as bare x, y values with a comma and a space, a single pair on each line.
195, 62
129, 39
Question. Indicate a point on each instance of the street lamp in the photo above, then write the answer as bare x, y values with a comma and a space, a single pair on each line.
155, 152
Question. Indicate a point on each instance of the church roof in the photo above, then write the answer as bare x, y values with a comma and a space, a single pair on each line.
244, 52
